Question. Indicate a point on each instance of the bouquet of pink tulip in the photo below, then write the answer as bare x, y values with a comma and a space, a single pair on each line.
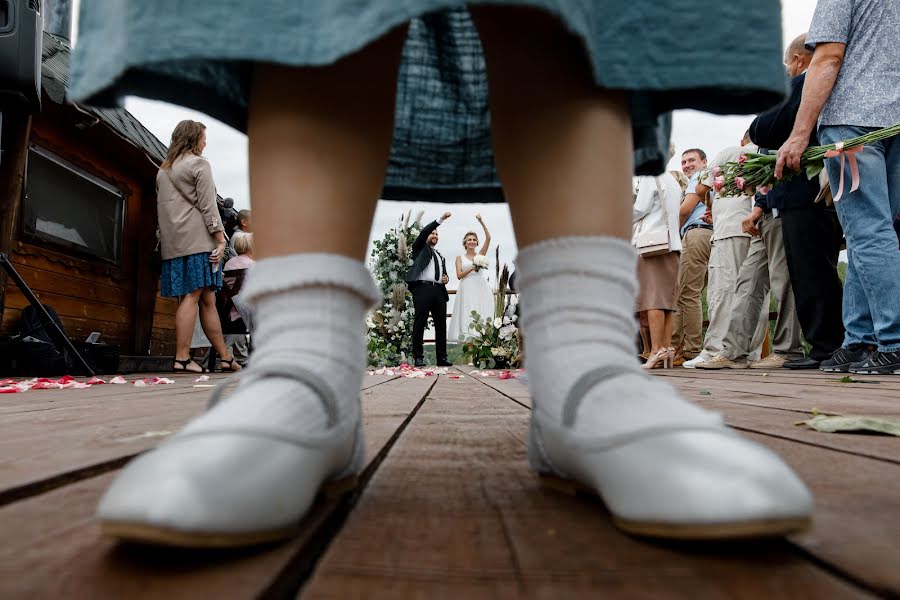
755, 172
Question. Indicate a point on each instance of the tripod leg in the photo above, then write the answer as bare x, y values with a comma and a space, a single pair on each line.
62, 342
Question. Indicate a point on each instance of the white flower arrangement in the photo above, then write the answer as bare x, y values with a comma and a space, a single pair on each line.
494, 340
389, 327
480, 262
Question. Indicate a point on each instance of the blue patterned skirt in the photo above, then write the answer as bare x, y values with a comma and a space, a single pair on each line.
184, 274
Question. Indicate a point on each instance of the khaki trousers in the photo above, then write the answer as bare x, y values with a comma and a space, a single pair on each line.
764, 268
692, 276
725, 262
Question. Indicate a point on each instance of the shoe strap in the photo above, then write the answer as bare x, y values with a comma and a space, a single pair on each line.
586, 382
287, 371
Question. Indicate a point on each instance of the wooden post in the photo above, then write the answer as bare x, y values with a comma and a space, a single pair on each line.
14, 141
146, 278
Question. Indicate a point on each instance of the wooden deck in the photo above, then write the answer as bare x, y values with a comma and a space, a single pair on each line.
448, 508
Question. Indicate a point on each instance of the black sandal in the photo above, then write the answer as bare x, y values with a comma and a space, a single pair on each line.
184, 367
230, 368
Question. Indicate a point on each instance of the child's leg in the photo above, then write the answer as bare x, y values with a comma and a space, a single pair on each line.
249, 468
319, 141
563, 152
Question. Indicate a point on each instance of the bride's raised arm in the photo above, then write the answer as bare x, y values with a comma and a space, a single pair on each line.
487, 236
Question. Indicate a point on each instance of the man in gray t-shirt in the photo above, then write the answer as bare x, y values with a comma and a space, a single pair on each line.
852, 88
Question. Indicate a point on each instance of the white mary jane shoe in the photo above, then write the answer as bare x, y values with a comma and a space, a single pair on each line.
236, 486
690, 480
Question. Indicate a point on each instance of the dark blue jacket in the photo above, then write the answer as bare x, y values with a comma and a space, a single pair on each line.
771, 129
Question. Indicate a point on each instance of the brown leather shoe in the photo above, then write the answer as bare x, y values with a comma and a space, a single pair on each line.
678, 360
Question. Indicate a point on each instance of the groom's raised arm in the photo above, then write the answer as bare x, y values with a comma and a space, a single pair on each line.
426, 231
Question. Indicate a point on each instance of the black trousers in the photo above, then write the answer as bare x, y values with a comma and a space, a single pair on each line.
429, 300
812, 242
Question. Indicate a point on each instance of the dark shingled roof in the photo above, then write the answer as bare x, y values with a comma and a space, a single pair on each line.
55, 80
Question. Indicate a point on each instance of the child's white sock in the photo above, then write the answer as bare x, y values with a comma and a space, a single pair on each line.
577, 316
309, 313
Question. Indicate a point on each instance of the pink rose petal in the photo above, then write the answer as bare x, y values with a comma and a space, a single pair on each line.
46, 385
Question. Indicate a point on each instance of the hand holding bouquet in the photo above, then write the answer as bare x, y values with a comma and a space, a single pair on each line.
755, 172
480, 262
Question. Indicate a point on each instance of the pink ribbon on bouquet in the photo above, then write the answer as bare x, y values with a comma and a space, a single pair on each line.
850, 153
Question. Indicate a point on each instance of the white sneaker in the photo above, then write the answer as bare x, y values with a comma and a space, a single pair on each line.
692, 364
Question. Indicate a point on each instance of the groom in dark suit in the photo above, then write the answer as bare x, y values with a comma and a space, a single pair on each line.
427, 280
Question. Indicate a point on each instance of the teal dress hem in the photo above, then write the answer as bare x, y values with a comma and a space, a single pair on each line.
200, 55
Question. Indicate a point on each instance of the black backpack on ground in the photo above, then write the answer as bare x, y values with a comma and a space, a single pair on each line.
32, 325
32, 351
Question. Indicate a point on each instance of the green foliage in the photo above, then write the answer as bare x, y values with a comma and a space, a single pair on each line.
495, 341
389, 327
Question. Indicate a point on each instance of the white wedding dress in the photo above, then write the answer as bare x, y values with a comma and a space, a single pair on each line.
473, 293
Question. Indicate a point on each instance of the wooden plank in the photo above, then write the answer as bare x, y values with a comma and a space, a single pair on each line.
163, 321
514, 389
857, 519
780, 423
794, 398
776, 382
165, 306
454, 510
66, 306
852, 403
63, 284
32, 255
72, 434
52, 548
76, 329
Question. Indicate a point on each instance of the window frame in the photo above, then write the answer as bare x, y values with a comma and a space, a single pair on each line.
82, 252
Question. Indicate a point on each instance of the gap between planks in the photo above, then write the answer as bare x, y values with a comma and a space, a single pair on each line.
53, 548
455, 512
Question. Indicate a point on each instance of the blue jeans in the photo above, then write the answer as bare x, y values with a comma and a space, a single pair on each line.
871, 308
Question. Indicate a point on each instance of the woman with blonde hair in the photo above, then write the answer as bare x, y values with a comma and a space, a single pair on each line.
192, 241
473, 293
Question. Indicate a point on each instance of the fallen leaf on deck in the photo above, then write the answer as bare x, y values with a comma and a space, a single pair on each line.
848, 379
853, 423
705, 393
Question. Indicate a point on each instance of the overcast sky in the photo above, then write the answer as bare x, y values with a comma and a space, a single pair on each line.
227, 151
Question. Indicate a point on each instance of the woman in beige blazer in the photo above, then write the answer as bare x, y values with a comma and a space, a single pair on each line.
192, 241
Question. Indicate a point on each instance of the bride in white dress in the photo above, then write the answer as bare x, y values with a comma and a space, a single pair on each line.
473, 293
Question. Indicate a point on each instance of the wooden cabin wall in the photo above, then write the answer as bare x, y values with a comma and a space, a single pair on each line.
88, 295
162, 337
